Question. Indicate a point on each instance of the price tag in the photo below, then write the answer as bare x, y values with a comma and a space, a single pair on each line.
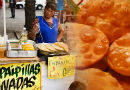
61, 66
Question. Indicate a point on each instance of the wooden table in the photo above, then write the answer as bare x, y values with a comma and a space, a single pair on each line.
7, 60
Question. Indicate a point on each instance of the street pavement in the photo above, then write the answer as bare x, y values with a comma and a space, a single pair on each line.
16, 24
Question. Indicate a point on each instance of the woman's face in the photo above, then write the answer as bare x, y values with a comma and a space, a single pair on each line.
48, 13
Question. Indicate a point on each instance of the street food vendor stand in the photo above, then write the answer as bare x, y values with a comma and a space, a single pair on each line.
48, 71
31, 74
23, 69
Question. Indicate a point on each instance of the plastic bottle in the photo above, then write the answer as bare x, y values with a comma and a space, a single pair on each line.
23, 36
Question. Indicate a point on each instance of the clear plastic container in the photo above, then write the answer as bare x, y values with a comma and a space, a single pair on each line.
23, 38
2, 52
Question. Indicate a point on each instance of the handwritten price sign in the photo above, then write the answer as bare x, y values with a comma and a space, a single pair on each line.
20, 76
61, 66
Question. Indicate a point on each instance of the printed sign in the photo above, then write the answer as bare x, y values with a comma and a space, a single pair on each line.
61, 66
20, 76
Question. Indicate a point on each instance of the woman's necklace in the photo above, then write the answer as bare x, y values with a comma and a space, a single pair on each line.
49, 22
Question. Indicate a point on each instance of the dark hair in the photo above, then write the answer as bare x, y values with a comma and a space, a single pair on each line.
51, 5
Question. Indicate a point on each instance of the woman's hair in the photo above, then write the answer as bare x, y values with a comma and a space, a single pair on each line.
51, 5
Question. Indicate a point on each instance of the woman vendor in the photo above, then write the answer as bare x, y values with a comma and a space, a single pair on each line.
46, 28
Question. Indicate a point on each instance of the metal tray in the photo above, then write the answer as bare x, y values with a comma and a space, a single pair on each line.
19, 53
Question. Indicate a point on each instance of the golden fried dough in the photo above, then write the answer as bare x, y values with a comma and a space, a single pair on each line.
110, 16
119, 55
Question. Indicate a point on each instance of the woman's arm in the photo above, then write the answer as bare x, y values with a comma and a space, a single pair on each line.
60, 32
35, 29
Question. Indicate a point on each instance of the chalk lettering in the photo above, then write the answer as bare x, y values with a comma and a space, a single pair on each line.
18, 83
12, 84
24, 69
37, 68
4, 85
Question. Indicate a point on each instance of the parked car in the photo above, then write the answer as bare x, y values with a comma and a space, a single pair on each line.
20, 4
39, 4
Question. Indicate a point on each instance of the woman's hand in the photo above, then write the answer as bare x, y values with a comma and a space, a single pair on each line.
60, 32
35, 30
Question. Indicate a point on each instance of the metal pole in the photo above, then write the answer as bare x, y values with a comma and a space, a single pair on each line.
60, 17
4, 17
